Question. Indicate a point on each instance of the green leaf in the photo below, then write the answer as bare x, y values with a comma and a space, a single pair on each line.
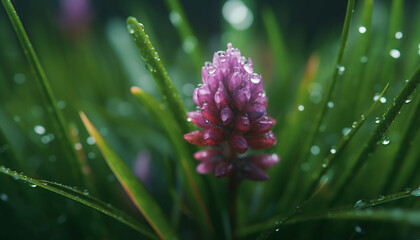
133, 187
193, 181
48, 97
158, 71
84, 198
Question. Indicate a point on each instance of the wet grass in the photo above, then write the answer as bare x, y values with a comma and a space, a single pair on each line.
347, 114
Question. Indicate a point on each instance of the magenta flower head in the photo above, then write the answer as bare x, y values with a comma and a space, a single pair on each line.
232, 118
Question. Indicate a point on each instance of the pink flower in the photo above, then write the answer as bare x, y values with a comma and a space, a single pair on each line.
232, 118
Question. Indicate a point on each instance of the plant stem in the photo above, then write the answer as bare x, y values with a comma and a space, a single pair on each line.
233, 195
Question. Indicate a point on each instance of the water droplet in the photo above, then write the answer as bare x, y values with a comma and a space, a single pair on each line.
395, 53
409, 99
354, 125
255, 78
301, 108
358, 229
363, 59
362, 117
78, 146
378, 120
249, 68
150, 68
359, 203
341, 69
131, 31
376, 97
416, 192
32, 185
381, 198
346, 131
407, 190
211, 70
19, 78
330, 104
277, 229
91, 155
4, 197
362, 29
305, 167
382, 99
189, 119
85, 192
315, 150
324, 165
189, 44
38, 129
175, 18
333, 150
398, 35
61, 104
385, 140
90, 140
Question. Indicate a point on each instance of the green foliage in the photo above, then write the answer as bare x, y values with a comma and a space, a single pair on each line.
338, 146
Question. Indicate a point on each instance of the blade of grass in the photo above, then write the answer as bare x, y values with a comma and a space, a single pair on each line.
134, 188
82, 197
331, 214
377, 134
183, 27
49, 99
292, 173
403, 150
193, 181
158, 71
277, 44
343, 143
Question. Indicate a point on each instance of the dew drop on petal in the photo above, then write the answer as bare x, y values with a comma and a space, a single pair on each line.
255, 78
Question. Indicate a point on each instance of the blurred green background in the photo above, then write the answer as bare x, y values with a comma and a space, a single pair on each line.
91, 62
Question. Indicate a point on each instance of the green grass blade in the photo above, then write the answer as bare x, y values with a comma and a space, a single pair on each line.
403, 150
158, 71
378, 133
183, 27
85, 199
277, 44
193, 181
45, 91
335, 75
332, 157
133, 187
293, 173
360, 207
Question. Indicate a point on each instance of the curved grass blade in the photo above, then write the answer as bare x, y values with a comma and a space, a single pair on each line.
194, 181
135, 189
336, 214
82, 197
378, 133
403, 150
44, 88
158, 71
183, 27
293, 174
277, 43
343, 143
